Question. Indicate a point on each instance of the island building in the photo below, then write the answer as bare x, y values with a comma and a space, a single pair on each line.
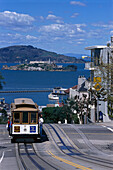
41, 62
100, 55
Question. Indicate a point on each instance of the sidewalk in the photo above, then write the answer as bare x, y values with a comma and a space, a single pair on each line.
106, 123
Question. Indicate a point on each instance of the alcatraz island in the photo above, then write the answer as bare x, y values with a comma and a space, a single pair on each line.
40, 66
34, 59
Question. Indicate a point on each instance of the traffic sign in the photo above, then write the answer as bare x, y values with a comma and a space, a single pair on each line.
97, 86
97, 79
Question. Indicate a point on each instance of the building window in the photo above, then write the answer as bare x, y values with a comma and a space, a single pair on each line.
108, 58
95, 56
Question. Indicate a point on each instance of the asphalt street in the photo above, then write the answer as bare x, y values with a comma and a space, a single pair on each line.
69, 146
8, 159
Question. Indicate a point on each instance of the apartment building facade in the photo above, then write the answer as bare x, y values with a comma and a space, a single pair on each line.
101, 56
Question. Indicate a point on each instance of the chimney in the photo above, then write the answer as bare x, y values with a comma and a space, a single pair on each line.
112, 41
81, 80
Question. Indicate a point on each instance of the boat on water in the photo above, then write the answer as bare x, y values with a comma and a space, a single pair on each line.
59, 91
53, 96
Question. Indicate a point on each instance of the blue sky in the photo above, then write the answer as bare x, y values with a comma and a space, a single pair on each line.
61, 26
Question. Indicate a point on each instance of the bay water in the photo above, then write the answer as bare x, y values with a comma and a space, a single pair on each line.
38, 80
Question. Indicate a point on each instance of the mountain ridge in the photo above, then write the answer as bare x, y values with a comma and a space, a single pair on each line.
22, 53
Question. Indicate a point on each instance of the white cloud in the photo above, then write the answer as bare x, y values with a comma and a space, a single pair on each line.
79, 42
77, 3
74, 15
97, 34
76, 41
79, 27
80, 30
29, 37
51, 17
41, 17
111, 32
12, 39
62, 30
15, 21
107, 26
81, 39
54, 18
51, 12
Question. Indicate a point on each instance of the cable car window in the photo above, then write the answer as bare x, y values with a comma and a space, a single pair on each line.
33, 117
25, 117
16, 117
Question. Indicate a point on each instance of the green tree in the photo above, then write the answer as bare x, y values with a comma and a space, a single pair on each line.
106, 72
69, 108
53, 114
3, 118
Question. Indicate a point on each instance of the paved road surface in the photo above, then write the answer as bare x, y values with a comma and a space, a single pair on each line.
69, 147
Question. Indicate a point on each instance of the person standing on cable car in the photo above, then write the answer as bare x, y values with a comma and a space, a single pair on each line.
41, 120
9, 125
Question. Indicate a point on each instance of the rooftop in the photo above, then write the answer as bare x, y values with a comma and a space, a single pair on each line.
82, 88
95, 47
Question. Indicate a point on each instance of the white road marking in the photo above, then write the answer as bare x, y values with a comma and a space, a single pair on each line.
103, 126
1, 159
30, 149
110, 129
2, 143
22, 149
9, 150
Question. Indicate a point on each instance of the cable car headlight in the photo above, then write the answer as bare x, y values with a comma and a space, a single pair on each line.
25, 129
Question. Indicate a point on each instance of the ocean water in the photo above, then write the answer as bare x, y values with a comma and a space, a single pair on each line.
35, 80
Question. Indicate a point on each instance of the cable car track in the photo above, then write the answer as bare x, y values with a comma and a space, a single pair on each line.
30, 160
76, 153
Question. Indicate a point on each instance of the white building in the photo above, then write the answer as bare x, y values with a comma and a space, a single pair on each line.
80, 90
99, 54
41, 62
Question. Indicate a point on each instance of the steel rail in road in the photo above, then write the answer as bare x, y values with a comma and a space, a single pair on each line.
26, 159
63, 150
30, 159
24, 166
51, 166
75, 153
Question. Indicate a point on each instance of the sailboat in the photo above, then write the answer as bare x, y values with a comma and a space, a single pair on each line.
53, 96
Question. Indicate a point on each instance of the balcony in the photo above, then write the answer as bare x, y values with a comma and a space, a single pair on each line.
89, 66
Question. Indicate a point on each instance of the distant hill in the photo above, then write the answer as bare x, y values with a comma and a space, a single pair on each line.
20, 53
78, 56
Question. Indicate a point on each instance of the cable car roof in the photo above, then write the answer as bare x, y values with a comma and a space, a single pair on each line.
20, 109
19, 101
24, 104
